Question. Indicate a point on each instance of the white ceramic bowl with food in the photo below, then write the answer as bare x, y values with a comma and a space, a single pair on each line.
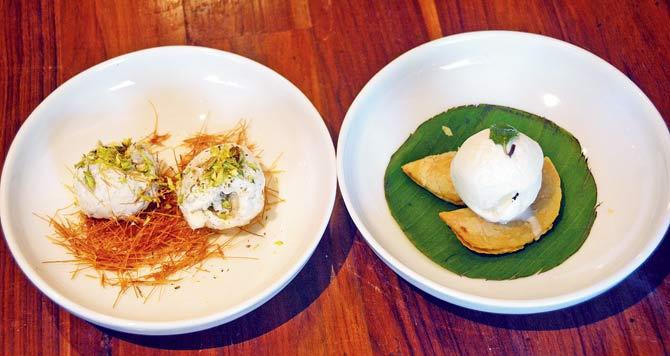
622, 134
191, 88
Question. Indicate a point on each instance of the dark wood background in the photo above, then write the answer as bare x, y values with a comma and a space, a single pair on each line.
345, 301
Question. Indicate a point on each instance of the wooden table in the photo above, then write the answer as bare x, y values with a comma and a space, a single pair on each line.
345, 301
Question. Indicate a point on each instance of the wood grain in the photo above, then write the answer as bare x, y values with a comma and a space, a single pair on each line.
345, 301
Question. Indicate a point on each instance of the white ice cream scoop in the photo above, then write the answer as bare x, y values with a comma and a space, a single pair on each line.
116, 180
498, 182
221, 188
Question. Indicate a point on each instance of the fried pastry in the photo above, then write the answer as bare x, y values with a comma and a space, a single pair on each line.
434, 174
486, 237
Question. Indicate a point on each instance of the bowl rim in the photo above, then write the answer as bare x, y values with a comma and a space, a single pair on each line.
467, 300
178, 326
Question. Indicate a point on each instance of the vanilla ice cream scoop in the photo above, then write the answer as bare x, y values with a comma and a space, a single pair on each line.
498, 181
221, 188
116, 180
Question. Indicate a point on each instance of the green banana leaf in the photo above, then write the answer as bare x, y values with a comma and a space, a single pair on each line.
416, 210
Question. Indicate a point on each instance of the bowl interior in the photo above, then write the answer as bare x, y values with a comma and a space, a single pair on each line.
621, 132
190, 88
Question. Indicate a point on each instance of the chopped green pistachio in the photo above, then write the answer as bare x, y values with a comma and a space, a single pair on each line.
222, 209
147, 198
223, 214
170, 184
253, 166
89, 180
226, 162
220, 214
119, 158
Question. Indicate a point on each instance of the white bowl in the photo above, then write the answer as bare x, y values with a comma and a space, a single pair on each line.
190, 87
623, 136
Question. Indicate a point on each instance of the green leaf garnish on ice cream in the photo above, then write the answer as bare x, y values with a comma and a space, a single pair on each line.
502, 134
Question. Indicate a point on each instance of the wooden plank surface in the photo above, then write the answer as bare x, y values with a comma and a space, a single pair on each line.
345, 301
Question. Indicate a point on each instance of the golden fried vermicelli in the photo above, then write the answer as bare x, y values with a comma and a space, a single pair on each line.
149, 249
